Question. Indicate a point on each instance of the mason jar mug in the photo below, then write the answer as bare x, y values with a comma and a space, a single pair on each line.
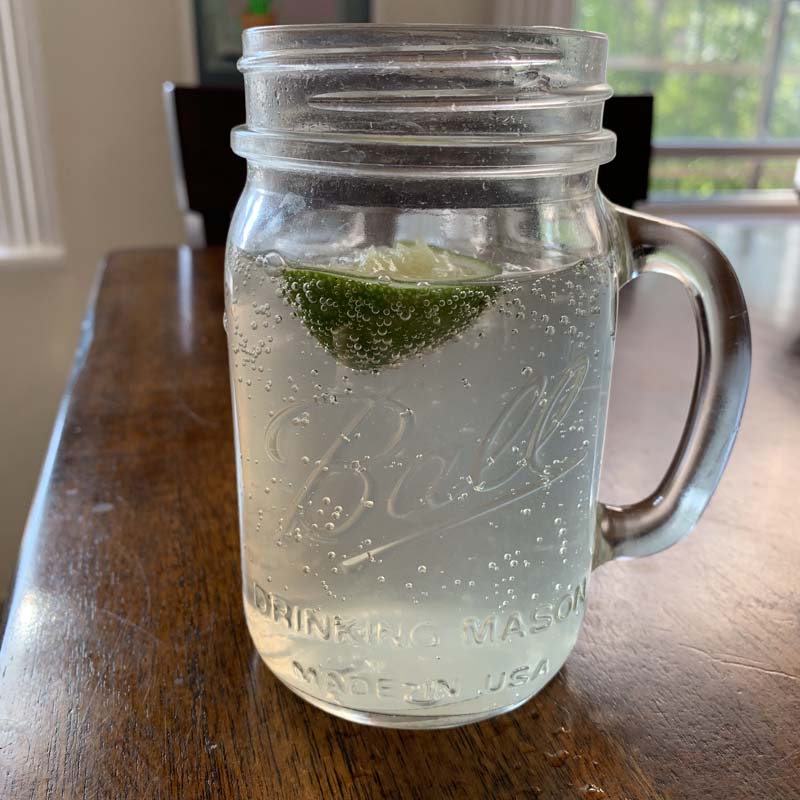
421, 289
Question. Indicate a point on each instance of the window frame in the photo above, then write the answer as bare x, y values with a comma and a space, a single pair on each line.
761, 146
30, 234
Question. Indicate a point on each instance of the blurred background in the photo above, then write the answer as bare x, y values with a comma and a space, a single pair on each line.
85, 158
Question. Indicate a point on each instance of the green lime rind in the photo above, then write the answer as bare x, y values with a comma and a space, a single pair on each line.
366, 324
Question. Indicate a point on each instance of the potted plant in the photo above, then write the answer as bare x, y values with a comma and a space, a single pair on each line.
258, 12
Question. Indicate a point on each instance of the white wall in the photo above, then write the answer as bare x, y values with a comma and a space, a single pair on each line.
104, 63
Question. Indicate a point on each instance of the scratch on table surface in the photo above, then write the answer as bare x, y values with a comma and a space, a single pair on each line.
201, 420
722, 658
145, 581
100, 677
129, 623
787, 757
136, 560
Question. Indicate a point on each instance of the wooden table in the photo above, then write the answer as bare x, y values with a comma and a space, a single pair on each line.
126, 670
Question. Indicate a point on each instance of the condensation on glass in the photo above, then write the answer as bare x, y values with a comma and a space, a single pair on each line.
418, 461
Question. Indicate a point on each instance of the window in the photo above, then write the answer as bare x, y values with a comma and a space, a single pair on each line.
725, 76
28, 225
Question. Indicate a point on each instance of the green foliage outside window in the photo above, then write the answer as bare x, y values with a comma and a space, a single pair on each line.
706, 63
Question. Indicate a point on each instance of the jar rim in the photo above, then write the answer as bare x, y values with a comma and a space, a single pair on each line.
284, 39
250, 36
474, 99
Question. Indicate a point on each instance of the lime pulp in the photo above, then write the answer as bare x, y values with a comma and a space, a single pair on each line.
383, 304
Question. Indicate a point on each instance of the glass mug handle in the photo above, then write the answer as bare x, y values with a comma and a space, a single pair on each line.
720, 388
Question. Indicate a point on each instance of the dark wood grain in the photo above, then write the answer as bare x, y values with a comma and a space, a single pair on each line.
126, 670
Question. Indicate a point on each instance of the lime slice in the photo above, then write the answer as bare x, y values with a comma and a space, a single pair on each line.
383, 304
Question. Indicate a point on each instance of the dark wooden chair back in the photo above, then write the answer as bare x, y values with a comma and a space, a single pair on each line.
625, 179
209, 176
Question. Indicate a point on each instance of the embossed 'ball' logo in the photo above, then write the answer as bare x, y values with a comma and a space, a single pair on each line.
343, 438
348, 440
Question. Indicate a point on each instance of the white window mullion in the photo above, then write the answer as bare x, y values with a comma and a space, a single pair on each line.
16, 111
8, 168
5, 207
38, 129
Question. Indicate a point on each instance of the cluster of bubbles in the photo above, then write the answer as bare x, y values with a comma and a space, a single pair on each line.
366, 325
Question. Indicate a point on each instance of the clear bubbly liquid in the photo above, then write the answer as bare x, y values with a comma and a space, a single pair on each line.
417, 539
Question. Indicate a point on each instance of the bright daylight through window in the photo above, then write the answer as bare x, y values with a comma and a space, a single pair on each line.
725, 76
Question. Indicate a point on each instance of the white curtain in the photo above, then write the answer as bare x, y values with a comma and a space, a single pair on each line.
534, 12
